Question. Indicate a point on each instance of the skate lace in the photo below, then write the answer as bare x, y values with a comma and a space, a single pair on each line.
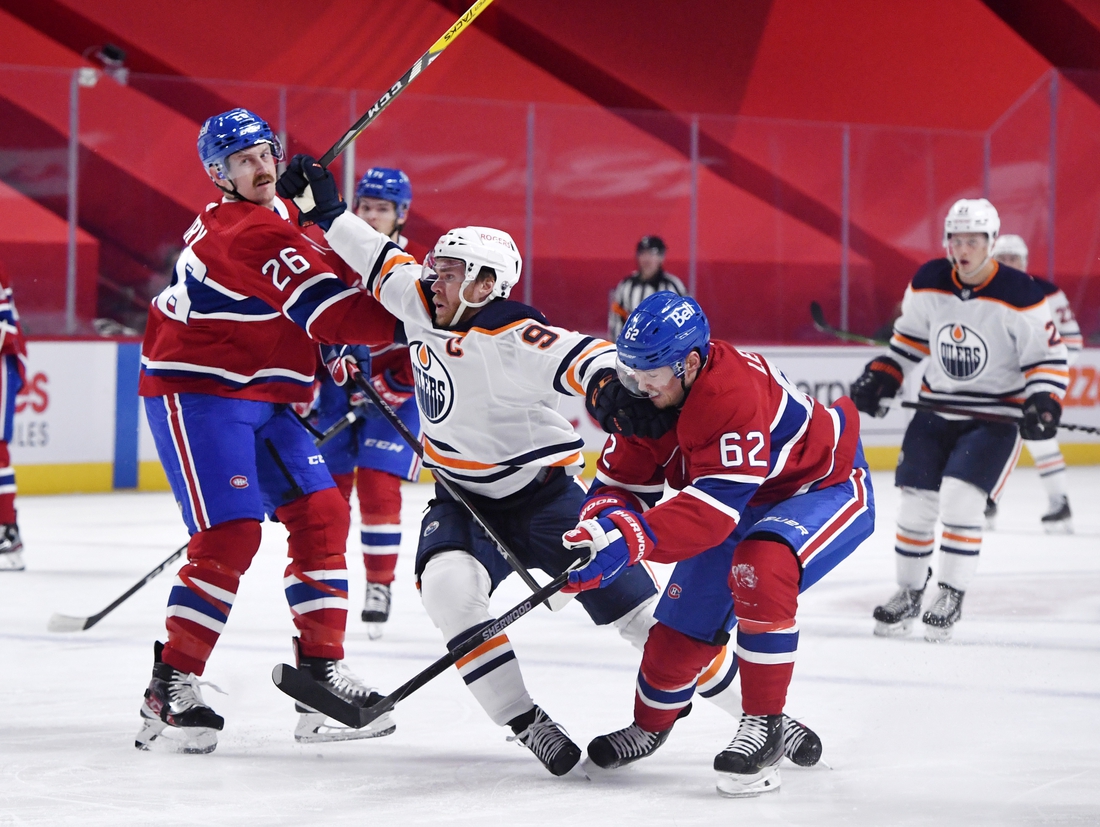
751, 735
377, 598
631, 741
185, 693
793, 735
946, 603
543, 737
902, 600
344, 683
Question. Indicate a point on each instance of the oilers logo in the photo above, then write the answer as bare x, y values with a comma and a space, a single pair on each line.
434, 388
962, 352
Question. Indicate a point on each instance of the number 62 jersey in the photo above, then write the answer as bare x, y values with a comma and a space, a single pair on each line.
488, 390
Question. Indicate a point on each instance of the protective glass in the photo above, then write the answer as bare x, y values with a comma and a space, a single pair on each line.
640, 382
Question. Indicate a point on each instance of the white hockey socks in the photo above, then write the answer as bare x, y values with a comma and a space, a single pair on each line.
961, 542
916, 535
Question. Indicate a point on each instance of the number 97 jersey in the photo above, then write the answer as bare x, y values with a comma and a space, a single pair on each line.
746, 436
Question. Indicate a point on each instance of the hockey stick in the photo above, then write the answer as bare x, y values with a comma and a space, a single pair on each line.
818, 315
456, 493
989, 417
339, 426
300, 686
423, 63
66, 623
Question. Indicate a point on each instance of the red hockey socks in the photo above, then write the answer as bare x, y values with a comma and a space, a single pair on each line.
7, 487
764, 580
380, 519
204, 591
671, 663
316, 581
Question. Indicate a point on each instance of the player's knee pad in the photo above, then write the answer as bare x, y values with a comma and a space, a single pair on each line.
318, 525
228, 546
764, 580
919, 509
455, 590
344, 484
961, 503
379, 496
634, 626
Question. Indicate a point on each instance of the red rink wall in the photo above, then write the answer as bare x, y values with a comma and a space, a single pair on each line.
769, 192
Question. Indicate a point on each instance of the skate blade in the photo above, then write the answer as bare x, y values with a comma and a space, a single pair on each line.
893, 629
309, 732
734, 785
937, 634
1059, 527
154, 737
12, 561
374, 630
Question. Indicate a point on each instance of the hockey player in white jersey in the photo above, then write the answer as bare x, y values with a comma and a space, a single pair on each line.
1011, 250
993, 347
489, 374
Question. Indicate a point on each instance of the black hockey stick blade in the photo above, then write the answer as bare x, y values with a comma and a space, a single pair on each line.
68, 623
303, 688
388, 97
817, 313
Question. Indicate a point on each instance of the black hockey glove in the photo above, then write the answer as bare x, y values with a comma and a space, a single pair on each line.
620, 412
881, 379
313, 190
1042, 412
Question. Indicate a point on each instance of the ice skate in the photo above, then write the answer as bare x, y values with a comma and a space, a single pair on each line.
174, 700
896, 616
376, 609
940, 619
1059, 520
749, 766
11, 548
990, 514
314, 727
801, 745
624, 746
547, 740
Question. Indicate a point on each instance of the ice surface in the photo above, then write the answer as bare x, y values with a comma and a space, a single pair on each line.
1000, 726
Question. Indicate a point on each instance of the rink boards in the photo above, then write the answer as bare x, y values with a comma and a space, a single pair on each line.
79, 425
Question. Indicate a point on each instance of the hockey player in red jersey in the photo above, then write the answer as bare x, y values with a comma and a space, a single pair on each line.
230, 344
13, 354
991, 346
371, 456
773, 492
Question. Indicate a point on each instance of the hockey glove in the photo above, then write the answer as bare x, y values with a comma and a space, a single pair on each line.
880, 380
620, 412
313, 190
393, 392
1042, 412
607, 499
614, 542
344, 361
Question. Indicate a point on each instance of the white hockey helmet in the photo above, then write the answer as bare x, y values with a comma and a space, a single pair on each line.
1010, 245
972, 215
480, 247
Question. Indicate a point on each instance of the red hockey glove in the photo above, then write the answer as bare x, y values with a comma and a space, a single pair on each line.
344, 361
614, 542
393, 392
606, 500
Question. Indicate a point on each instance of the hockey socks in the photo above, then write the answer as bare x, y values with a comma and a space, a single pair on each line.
670, 668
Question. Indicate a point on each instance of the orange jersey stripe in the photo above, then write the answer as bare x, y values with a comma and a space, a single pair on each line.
571, 374
447, 462
487, 646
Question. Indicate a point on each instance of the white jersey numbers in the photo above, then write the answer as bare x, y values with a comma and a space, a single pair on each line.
294, 262
734, 457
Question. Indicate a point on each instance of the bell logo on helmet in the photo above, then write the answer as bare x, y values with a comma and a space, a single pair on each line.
682, 314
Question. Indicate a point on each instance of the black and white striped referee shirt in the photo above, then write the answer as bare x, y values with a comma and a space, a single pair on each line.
629, 293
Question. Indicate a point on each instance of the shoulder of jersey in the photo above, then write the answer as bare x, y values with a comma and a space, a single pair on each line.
934, 275
501, 314
1049, 288
723, 381
1013, 287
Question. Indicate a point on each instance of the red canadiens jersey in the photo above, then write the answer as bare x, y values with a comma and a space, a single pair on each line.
250, 298
11, 334
746, 436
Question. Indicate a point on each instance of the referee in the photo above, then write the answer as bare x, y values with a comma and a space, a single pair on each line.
649, 278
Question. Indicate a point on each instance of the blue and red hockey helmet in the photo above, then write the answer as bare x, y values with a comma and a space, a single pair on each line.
388, 184
230, 132
662, 331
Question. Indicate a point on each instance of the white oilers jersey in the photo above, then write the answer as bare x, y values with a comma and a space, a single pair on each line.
1063, 316
989, 347
488, 391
